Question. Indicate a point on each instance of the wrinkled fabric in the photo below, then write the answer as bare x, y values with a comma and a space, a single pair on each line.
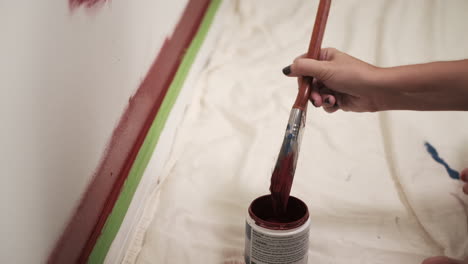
374, 194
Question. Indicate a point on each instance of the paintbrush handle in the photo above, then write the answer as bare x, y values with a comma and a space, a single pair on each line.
283, 174
313, 52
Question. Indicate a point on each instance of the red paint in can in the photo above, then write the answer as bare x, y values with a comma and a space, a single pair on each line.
277, 239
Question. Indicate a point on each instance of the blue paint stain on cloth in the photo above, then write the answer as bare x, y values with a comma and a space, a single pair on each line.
451, 172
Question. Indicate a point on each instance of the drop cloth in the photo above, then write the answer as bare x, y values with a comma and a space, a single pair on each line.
374, 194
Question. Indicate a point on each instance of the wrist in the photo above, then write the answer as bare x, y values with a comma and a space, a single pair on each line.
385, 94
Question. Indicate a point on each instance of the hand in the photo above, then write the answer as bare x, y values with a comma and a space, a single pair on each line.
464, 178
340, 81
344, 82
444, 260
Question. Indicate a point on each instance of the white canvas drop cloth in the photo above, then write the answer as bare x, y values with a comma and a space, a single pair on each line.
374, 194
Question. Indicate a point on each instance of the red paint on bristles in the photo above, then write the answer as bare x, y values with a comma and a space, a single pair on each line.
281, 183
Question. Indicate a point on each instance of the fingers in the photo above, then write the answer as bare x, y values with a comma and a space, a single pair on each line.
441, 260
328, 96
326, 54
315, 96
301, 56
303, 66
323, 97
330, 109
330, 101
320, 70
464, 177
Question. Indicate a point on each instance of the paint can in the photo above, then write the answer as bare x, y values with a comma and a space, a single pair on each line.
273, 240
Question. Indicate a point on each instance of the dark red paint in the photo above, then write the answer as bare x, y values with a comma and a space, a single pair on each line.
85, 226
262, 211
281, 183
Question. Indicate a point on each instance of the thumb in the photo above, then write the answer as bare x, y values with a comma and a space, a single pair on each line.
320, 70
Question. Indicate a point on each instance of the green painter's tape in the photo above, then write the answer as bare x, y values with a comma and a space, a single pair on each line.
117, 215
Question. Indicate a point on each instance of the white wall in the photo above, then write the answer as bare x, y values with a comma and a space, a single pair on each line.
65, 79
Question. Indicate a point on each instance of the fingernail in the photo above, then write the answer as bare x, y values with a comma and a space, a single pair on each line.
287, 70
327, 100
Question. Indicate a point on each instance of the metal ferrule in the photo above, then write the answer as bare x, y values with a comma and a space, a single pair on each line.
295, 124
293, 134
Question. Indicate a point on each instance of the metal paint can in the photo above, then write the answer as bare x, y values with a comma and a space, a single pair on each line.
273, 240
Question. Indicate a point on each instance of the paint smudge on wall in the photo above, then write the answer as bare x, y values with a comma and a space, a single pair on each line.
86, 3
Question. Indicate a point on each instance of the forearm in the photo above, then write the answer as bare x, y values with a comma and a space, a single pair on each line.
430, 86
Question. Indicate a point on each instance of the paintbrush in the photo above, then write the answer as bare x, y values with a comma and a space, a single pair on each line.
283, 174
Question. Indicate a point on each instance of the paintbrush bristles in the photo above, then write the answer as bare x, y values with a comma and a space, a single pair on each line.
283, 174
281, 183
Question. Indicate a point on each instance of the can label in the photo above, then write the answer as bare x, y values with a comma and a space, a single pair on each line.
267, 248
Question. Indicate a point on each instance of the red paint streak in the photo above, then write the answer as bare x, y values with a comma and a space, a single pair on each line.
86, 3
281, 183
83, 230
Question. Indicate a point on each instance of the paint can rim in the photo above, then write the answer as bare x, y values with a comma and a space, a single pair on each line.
261, 210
